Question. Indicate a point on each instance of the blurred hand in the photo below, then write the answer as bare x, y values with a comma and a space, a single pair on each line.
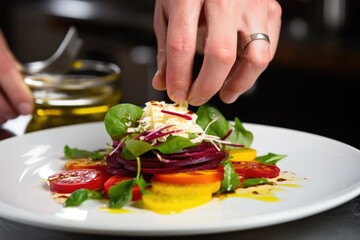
15, 97
218, 28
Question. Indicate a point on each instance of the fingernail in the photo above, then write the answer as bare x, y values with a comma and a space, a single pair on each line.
178, 96
197, 101
25, 108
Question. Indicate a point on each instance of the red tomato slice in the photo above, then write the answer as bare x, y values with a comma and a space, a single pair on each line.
72, 180
136, 193
253, 169
192, 177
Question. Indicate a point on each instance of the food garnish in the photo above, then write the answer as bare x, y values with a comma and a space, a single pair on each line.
169, 158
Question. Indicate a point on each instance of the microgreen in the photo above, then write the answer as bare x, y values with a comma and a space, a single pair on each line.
254, 182
231, 179
121, 193
270, 158
222, 128
81, 195
74, 153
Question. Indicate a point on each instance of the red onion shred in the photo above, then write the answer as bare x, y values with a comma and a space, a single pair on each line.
186, 117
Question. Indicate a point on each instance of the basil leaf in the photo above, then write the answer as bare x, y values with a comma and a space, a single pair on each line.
74, 153
121, 194
81, 195
254, 181
120, 117
270, 158
240, 135
231, 179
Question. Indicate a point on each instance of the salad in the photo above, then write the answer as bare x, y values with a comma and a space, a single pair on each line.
165, 158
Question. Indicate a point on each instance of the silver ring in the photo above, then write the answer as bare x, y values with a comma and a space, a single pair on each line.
253, 37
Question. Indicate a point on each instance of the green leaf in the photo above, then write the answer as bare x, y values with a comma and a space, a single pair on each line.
221, 127
120, 117
174, 144
135, 148
81, 195
231, 179
206, 113
74, 153
142, 184
240, 135
121, 193
270, 158
254, 181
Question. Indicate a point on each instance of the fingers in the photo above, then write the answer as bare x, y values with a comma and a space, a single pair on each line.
6, 111
215, 24
274, 25
160, 27
219, 51
246, 71
15, 97
257, 55
180, 44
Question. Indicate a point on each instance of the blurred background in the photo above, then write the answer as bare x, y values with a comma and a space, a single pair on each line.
312, 84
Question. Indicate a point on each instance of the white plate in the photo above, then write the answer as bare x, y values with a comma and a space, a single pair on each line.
331, 169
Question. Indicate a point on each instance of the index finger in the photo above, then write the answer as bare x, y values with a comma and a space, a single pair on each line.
180, 47
219, 51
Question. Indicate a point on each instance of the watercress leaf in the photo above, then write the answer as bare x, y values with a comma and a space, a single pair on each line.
120, 117
231, 179
206, 113
240, 135
97, 156
174, 144
121, 194
270, 158
81, 195
74, 153
254, 181
134, 148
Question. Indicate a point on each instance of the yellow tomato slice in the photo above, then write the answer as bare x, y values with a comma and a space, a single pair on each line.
185, 189
242, 154
192, 177
87, 163
166, 204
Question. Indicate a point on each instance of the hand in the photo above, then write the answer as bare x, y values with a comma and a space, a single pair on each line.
15, 97
219, 28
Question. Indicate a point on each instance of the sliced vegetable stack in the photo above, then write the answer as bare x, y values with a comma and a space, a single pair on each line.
169, 158
165, 137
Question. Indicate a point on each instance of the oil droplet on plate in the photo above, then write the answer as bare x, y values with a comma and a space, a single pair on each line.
115, 210
262, 193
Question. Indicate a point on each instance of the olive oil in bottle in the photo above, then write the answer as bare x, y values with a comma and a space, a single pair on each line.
84, 94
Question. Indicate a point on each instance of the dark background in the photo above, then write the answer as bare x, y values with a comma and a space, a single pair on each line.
312, 84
